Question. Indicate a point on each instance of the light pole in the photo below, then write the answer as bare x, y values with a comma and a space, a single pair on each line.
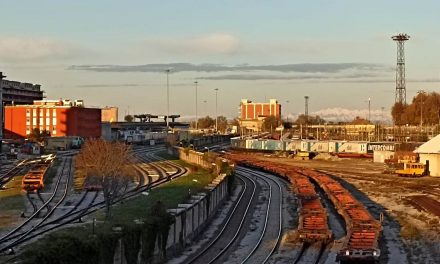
216, 116
421, 92
287, 103
1, 110
197, 118
168, 98
369, 109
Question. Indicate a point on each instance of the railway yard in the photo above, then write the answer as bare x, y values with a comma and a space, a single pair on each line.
57, 206
281, 211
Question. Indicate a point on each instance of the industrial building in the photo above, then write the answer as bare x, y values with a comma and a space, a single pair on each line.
19, 93
13, 92
430, 152
252, 111
58, 117
109, 114
252, 114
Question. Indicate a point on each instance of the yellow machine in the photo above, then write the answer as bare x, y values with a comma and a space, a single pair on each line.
413, 169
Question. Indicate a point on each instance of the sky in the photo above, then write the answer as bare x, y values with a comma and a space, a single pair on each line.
115, 53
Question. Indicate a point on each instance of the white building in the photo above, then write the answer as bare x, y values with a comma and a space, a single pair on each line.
430, 151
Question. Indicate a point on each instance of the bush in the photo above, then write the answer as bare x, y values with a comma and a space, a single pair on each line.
61, 248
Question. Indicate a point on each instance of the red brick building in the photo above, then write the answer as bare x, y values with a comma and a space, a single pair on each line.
60, 118
252, 111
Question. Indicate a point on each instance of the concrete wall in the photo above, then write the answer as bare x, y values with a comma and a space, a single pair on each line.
191, 156
192, 216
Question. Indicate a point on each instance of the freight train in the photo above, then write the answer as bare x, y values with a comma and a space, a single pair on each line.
361, 243
313, 219
33, 180
340, 148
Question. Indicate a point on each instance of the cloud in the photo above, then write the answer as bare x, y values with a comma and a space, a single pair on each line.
256, 77
189, 67
108, 85
120, 85
216, 43
343, 114
15, 49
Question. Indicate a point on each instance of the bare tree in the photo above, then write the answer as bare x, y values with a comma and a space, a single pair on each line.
108, 164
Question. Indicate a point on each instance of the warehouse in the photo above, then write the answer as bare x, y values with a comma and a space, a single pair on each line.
430, 151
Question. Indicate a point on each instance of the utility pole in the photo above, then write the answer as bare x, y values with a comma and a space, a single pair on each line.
1, 110
168, 98
216, 115
197, 118
287, 103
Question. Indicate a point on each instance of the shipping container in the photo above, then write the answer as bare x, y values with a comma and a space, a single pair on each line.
273, 145
294, 145
380, 146
305, 145
353, 147
319, 146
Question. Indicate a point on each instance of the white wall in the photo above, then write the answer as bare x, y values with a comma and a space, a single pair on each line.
434, 163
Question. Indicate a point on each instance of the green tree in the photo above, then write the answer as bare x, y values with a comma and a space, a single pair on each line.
38, 136
128, 118
222, 124
270, 123
310, 120
206, 122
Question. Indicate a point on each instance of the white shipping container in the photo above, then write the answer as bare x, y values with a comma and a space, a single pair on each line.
319, 146
294, 145
305, 146
353, 147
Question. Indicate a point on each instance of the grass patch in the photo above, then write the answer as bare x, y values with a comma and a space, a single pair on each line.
11, 202
79, 178
52, 172
171, 194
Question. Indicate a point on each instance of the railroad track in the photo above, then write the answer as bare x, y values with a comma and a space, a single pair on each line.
76, 213
5, 178
310, 253
232, 227
15, 233
271, 234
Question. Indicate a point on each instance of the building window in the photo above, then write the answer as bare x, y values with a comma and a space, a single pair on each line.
54, 130
34, 112
28, 131
28, 112
28, 121
54, 112
54, 121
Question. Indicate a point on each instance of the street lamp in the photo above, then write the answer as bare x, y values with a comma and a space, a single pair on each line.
1, 110
369, 109
421, 92
216, 116
168, 98
287, 103
197, 118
